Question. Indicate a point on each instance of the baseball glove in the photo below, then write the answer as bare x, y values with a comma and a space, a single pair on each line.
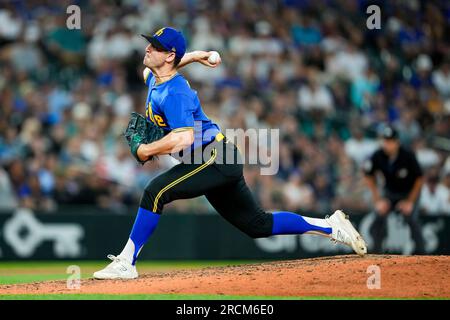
139, 131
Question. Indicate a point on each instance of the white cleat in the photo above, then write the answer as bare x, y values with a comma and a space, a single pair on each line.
119, 268
344, 232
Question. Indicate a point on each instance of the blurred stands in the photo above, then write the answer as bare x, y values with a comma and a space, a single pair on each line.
308, 67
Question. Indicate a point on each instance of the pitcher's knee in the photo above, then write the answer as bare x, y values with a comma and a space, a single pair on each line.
259, 227
152, 198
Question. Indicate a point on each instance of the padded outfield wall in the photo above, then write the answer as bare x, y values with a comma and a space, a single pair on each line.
86, 234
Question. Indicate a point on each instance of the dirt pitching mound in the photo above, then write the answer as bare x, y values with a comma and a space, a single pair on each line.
339, 276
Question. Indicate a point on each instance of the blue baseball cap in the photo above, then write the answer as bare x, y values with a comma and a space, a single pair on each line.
168, 39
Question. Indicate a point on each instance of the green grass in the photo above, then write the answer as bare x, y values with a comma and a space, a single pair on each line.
35, 271
26, 278
152, 264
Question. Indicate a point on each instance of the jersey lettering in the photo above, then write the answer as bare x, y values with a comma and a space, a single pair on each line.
155, 118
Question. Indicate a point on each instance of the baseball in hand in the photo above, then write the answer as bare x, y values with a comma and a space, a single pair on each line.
214, 57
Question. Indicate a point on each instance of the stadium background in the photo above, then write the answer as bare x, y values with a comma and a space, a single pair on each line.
311, 69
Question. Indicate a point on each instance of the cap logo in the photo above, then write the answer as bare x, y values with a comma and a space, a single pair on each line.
389, 133
159, 32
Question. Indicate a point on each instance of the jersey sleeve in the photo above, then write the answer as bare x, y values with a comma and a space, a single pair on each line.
179, 111
147, 73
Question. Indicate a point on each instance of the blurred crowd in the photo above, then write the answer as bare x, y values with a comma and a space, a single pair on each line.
310, 68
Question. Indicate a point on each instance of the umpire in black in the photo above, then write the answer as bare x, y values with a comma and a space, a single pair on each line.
402, 184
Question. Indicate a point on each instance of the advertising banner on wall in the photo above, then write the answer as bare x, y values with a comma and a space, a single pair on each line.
34, 236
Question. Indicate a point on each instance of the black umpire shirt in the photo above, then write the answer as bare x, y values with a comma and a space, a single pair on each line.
399, 174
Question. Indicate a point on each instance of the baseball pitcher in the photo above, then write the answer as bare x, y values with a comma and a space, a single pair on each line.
175, 124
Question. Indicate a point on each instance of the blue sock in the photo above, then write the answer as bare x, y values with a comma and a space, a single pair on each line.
144, 225
292, 223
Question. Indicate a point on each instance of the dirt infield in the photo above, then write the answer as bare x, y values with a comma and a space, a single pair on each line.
339, 276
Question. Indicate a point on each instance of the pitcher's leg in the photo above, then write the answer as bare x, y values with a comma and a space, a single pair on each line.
182, 181
236, 204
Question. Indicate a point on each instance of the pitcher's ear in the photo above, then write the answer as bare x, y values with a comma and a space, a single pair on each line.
170, 57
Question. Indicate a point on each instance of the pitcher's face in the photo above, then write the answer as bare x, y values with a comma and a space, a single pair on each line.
154, 57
